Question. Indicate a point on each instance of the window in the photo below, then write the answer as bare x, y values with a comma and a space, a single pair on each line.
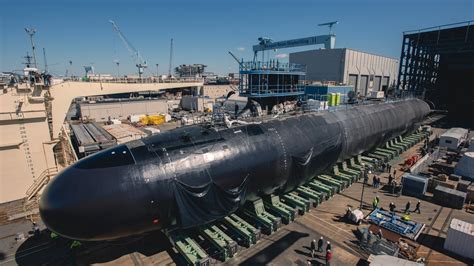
448, 141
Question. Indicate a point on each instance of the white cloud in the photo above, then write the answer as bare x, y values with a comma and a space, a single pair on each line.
240, 49
281, 56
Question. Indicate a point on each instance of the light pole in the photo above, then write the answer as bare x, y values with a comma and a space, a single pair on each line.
118, 68
366, 173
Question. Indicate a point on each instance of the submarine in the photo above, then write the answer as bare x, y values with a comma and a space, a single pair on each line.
197, 174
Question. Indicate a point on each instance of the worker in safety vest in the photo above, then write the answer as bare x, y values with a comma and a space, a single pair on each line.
375, 203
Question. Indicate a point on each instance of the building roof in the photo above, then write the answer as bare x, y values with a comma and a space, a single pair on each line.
455, 132
462, 226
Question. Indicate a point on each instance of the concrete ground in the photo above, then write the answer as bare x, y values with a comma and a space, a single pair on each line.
288, 246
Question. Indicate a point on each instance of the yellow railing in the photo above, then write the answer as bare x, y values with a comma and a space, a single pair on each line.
39, 182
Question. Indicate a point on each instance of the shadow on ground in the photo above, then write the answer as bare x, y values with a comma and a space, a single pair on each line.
41, 250
269, 253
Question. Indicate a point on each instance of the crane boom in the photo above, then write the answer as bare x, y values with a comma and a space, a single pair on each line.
137, 58
235, 58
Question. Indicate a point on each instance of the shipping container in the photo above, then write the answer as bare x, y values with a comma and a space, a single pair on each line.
414, 185
449, 197
463, 185
460, 238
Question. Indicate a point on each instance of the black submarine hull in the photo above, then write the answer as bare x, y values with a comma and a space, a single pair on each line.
194, 175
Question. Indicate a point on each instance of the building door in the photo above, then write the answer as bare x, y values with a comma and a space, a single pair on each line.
353, 82
377, 81
364, 81
385, 81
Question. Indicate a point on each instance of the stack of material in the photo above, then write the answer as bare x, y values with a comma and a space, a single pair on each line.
460, 238
151, 130
463, 185
408, 249
124, 132
153, 119
449, 197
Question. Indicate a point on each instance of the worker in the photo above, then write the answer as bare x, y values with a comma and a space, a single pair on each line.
389, 168
392, 207
369, 237
395, 173
390, 179
394, 186
313, 248
236, 109
407, 208
328, 246
36, 230
374, 181
375, 203
328, 257
417, 207
320, 244
379, 233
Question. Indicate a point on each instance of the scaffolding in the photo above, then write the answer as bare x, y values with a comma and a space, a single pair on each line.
436, 64
422, 50
271, 79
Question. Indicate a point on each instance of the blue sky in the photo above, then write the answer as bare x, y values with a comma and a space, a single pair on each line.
204, 30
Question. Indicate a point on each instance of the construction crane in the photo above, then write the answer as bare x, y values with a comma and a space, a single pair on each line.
137, 58
235, 58
265, 43
330, 25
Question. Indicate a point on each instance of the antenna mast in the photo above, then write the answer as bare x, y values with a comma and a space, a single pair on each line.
31, 32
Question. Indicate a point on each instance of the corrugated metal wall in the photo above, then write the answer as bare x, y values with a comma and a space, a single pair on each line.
364, 71
379, 70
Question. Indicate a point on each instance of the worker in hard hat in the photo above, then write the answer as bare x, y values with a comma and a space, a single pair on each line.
407, 208
320, 244
392, 207
313, 248
417, 207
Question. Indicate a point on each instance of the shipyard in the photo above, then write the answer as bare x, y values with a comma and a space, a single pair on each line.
309, 141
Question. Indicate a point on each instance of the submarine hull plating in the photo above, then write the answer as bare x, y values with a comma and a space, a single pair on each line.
194, 175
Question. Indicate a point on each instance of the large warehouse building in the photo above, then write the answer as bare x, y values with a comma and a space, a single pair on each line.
366, 72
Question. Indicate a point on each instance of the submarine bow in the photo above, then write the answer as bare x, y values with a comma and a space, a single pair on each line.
194, 175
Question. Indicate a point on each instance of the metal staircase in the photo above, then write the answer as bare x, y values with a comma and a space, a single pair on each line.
40, 182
